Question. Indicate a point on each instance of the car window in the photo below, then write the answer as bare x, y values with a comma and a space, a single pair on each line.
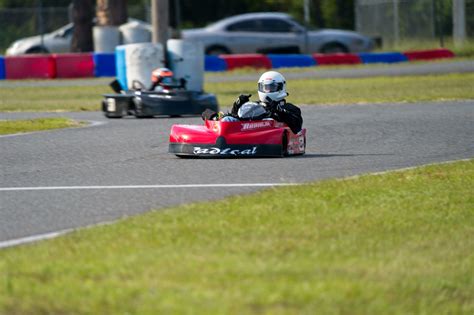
244, 26
275, 26
68, 32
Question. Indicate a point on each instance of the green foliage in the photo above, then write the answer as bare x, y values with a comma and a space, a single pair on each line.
33, 3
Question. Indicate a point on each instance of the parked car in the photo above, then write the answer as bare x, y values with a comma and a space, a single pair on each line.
58, 41
265, 33
273, 32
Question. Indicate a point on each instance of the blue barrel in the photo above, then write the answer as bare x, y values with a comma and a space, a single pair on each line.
104, 65
289, 61
2, 68
214, 63
120, 66
384, 57
135, 62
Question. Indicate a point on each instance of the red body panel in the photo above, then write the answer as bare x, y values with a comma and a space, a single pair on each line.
221, 135
240, 132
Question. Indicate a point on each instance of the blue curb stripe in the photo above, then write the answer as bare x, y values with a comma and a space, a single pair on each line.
104, 65
2, 68
385, 57
214, 64
288, 61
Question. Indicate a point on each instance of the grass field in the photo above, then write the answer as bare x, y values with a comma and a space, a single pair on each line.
40, 124
304, 91
397, 243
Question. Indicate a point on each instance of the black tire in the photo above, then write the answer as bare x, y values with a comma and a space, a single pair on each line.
112, 116
217, 50
332, 48
140, 116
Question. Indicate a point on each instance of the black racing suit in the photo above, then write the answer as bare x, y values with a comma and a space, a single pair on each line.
278, 110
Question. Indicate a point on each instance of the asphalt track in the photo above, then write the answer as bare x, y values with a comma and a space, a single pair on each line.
59, 180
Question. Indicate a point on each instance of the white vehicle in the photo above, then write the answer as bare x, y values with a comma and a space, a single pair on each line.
265, 33
58, 41
273, 32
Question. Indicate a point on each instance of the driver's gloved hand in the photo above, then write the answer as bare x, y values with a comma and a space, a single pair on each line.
243, 98
209, 114
275, 106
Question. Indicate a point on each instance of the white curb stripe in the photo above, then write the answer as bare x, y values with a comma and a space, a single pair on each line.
92, 123
31, 239
143, 186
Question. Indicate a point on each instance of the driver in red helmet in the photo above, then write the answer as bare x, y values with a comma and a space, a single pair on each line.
163, 78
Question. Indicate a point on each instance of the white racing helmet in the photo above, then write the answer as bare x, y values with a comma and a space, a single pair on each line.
271, 85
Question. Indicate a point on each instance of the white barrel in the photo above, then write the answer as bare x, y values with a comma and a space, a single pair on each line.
137, 61
135, 32
186, 59
106, 38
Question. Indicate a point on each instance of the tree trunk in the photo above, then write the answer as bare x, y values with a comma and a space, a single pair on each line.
111, 12
82, 17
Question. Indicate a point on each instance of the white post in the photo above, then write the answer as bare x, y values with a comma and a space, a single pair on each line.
459, 22
306, 12
396, 22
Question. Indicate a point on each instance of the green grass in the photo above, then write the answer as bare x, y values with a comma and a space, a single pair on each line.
303, 91
39, 124
361, 90
57, 98
398, 243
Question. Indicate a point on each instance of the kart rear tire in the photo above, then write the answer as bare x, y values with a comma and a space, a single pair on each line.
113, 116
139, 115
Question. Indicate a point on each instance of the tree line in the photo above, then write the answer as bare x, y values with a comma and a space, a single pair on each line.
192, 13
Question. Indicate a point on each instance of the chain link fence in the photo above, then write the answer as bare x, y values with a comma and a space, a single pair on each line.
395, 22
25, 22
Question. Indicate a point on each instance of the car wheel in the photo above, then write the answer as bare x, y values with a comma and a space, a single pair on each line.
217, 50
333, 48
37, 50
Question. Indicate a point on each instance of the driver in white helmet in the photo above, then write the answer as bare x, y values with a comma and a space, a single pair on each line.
272, 94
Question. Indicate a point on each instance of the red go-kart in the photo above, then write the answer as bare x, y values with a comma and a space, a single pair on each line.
254, 138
